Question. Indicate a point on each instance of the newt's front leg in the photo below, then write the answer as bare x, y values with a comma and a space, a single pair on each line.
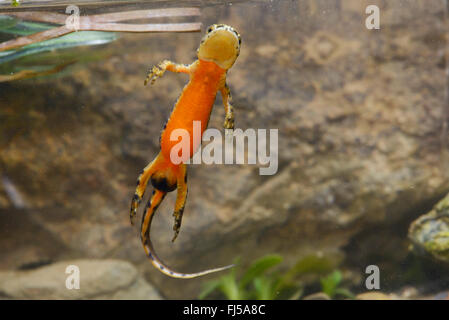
158, 70
229, 110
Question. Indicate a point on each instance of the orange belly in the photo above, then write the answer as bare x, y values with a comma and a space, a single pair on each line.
194, 104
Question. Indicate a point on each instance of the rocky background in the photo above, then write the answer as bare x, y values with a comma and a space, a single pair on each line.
362, 118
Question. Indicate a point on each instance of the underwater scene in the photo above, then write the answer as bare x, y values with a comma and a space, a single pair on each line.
259, 149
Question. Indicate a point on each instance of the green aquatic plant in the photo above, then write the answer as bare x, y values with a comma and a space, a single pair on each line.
330, 285
7, 22
33, 34
81, 38
255, 283
39, 58
261, 282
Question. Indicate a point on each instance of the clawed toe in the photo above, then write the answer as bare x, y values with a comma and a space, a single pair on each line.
153, 74
228, 124
177, 225
134, 205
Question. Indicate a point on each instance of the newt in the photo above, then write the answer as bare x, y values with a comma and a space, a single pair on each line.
217, 53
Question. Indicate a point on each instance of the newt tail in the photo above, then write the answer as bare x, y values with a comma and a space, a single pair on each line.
151, 208
217, 53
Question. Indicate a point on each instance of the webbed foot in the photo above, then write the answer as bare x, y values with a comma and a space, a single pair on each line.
155, 72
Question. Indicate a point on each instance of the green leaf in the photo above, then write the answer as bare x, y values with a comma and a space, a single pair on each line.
7, 22
257, 283
264, 288
336, 277
311, 264
230, 288
21, 28
330, 283
259, 267
297, 294
208, 288
68, 41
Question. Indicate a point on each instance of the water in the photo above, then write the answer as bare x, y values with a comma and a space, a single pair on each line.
361, 116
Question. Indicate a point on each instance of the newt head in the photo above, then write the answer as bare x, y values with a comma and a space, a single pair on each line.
221, 44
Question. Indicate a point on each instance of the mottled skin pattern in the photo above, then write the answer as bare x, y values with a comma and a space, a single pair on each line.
217, 53
429, 233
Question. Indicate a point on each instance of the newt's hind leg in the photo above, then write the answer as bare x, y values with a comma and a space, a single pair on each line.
180, 198
142, 183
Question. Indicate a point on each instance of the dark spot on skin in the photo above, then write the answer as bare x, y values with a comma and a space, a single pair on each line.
209, 30
136, 197
162, 184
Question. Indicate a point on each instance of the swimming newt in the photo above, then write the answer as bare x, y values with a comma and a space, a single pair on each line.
217, 53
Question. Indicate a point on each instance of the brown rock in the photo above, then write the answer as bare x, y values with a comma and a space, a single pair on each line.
99, 279
360, 116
